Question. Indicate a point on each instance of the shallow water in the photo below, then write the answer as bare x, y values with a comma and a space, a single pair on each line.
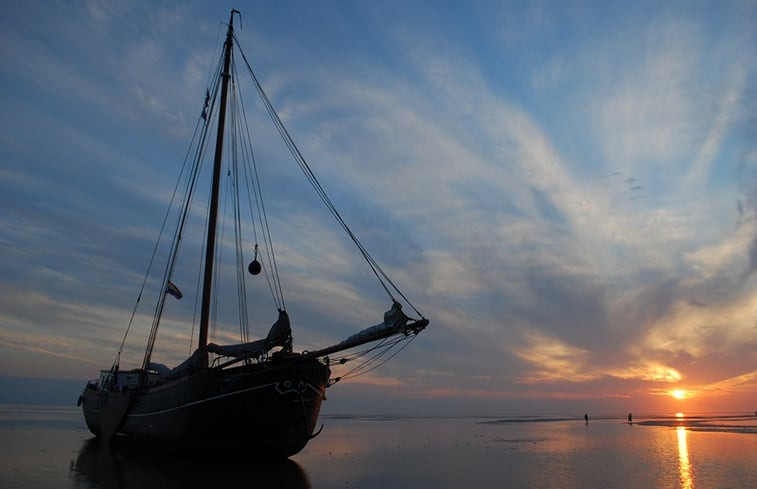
50, 447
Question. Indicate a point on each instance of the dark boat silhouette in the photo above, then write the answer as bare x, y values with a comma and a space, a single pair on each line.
260, 396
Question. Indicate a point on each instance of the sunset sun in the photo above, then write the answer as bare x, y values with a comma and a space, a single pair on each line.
678, 393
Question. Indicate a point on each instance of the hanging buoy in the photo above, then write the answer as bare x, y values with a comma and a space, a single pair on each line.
254, 267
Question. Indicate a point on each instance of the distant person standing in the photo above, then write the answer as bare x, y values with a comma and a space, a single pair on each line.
630, 418
586, 418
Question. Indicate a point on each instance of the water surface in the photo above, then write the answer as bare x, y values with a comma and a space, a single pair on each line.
47, 447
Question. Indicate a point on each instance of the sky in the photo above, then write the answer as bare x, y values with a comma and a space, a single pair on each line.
567, 190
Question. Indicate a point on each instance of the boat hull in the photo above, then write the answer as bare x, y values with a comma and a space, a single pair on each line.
268, 409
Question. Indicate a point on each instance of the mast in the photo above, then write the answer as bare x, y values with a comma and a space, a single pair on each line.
207, 283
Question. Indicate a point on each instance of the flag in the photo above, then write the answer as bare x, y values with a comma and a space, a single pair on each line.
172, 289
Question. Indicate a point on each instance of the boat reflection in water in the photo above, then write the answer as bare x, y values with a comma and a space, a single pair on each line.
124, 466
684, 465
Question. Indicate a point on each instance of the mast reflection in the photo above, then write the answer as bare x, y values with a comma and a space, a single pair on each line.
123, 467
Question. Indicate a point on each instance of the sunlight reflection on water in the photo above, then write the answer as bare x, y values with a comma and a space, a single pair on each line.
687, 481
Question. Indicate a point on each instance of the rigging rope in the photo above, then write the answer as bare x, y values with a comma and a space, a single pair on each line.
238, 257
196, 150
254, 190
362, 369
382, 277
384, 347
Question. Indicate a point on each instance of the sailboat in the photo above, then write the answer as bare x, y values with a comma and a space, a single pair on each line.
260, 396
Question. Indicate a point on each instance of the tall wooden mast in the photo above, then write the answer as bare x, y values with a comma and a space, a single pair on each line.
207, 283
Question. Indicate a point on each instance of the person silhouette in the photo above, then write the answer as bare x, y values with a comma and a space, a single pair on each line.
630, 418
586, 418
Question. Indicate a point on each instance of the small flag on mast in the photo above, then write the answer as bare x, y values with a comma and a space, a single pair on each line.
172, 289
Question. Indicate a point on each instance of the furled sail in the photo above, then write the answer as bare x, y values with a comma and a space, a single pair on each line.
280, 334
251, 350
395, 322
